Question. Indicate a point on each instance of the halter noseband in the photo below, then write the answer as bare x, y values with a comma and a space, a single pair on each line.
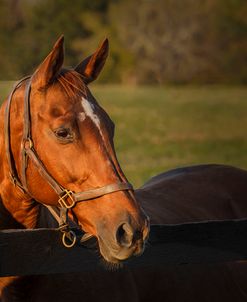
66, 199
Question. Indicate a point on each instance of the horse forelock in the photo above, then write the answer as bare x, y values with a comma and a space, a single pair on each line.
72, 83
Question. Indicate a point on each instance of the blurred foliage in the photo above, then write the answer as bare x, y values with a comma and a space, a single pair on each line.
152, 41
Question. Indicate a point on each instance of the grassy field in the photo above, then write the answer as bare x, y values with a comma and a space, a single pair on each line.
163, 128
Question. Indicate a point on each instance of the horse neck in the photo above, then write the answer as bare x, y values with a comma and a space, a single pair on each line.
21, 206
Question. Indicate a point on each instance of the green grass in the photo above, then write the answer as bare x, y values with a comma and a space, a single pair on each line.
158, 129
163, 128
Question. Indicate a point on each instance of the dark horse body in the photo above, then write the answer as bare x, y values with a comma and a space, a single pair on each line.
73, 138
187, 194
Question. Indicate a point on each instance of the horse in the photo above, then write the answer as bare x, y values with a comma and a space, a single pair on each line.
70, 138
56, 139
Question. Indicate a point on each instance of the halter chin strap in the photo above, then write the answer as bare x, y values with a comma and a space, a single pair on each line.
66, 199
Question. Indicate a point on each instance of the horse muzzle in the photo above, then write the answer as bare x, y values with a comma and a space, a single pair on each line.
127, 241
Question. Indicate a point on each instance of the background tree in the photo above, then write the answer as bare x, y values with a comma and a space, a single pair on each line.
151, 41
184, 41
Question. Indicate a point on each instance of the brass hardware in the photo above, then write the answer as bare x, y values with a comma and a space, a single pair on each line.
30, 143
67, 194
27, 143
71, 236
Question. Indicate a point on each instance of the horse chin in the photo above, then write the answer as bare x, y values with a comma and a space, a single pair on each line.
117, 256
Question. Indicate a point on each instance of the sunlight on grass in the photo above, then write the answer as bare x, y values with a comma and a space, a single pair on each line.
160, 128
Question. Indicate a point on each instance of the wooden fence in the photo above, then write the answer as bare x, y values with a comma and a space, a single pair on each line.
40, 251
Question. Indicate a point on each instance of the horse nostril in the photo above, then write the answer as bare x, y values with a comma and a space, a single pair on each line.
124, 235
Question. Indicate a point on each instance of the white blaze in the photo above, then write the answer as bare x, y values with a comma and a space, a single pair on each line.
89, 112
81, 116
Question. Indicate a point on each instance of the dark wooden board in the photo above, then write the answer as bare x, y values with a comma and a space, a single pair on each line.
29, 252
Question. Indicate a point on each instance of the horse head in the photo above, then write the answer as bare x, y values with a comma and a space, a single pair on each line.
72, 136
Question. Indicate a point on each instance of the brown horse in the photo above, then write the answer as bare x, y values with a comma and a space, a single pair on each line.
57, 148
74, 141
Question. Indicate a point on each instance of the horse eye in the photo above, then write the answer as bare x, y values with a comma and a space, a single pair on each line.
63, 133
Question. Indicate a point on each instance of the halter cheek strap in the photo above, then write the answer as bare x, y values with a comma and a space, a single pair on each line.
12, 168
66, 199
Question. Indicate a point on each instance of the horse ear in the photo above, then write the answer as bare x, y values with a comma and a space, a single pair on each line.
91, 67
51, 65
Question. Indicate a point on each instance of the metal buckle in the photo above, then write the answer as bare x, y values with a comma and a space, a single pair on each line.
67, 194
30, 143
27, 143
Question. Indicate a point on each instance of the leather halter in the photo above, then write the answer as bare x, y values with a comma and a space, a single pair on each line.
66, 199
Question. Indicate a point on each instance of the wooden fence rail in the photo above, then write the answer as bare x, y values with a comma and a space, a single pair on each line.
40, 251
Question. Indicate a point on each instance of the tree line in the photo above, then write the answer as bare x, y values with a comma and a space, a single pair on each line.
151, 41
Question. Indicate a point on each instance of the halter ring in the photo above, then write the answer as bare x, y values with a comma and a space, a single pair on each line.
71, 236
